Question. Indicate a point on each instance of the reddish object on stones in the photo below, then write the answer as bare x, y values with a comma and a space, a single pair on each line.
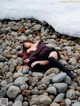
24, 56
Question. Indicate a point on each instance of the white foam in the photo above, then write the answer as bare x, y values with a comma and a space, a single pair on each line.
63, 16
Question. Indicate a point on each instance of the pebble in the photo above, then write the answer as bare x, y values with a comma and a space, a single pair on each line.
17, 103
46, 80
2, 92
20, 81
52, 90
1, 65
25, 70
67, 80
22, 38
3, 83
71, 94
23, 87
18, 74
72, 61
54, 104
13, 33
5, 68
52, 70
19, 98
26, 92
37, 74
45, 100
59, 97
25, 104
37, 27
35, 91
76, 104
42, 86
59, 77
61, 87
13, 91
10, 103
2, 58
67, 102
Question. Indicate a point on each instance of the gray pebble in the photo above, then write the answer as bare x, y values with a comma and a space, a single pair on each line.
23, 87
59, 77
19, 98
59, 97
17, 103
52, 90
61, 87
71, 94
20, 81
67, 102
3, 83
2, 92
2, 58
25, 104
13, 91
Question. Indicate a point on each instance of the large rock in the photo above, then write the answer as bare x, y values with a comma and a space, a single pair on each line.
61, 87
59, 77
13, 91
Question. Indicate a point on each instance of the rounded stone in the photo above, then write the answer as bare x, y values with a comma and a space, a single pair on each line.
67, 102
13, 91
4, 83
17, 103
23, 87
61, 87
52, 90
19, 98
59, 97
71, 94
59, 77
20, 81
25, 104
2, 92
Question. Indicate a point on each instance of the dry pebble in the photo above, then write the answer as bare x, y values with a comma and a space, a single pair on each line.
24, 87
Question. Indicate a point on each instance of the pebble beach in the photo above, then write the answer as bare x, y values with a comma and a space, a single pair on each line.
19, 84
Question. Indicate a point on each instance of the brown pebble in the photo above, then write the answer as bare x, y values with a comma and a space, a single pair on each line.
62, 103
18, 67
51, 97
78, 88
30, 79
54, 104
71, 87
22, 30
26, 92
